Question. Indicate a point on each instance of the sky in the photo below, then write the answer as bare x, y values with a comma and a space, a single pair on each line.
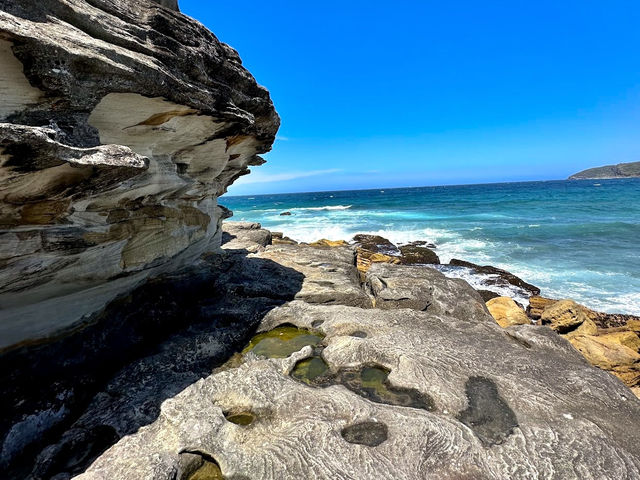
412, 93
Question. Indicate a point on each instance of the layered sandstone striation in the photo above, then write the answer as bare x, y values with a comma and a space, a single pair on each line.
121, 122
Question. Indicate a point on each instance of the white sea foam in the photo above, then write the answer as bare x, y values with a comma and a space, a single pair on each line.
326, 207
481, 281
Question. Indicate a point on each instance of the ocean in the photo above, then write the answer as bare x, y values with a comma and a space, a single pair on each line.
574, 239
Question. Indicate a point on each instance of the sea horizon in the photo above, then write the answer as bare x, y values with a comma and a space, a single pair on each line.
569, 237
226, 195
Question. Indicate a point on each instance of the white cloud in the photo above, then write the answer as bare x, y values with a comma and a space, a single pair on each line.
259, 177
284, 139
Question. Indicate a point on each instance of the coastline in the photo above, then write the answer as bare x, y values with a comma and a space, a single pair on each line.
609, 341
144, 336
569, 238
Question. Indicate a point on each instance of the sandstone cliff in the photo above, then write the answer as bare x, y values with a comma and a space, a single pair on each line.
121, 122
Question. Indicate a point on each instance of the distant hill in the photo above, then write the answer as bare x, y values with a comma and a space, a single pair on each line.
621, 170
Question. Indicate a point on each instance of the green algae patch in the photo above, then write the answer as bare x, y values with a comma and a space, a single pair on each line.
282, 342
240, 418
310, 370
208, 471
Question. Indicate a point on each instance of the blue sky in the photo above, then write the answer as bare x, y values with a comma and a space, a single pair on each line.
410, 93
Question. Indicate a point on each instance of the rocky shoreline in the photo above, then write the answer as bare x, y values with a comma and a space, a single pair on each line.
169, 411
144, 338
430, 338
608, 341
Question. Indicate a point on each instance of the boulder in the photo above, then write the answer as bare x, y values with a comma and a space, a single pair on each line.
416, 253
278, 238
328, 243
372, 249
605, 351
421, 288
564, 316
537, 304
245, 237
507, 312
376, 244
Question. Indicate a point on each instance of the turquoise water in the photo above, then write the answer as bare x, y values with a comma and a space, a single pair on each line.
574, 239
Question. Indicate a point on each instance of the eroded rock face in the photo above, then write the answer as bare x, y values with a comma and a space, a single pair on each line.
344, 391
121, 122
512, 418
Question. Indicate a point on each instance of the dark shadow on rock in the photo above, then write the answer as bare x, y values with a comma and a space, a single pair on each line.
109, 378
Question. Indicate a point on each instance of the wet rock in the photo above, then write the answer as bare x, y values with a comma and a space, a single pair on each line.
285, 214
416, 253
488, 415
242, 418
507, 312
371, 383
421, 288
370, 434
502, 277
487, 294
281, 342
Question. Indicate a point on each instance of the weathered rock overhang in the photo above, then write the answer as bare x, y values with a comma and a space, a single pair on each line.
121, 123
